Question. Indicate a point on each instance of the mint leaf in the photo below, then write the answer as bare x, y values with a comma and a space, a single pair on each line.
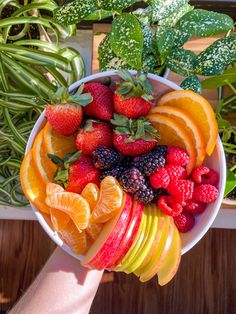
214, 59
126, 39
74, 12
181, 61
230, 182
205, 23
108, 60
165, 37
192, 83
163, 8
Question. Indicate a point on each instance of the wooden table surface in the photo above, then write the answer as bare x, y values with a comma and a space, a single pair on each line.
205, 283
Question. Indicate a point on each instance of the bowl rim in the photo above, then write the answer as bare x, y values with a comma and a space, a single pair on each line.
54, 236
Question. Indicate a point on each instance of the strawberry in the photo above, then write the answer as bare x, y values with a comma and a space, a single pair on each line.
75, 171
93, 135
102, 105
133, 137
133, 96
65, 113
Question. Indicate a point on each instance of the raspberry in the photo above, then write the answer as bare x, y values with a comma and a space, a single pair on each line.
114, 172
169, 206
194, 207
205, 175
145, 194
148, 163
176, 172
184, 221
131, 180
205, 193
158, 193
177, 156
181, 190
105, 157
160, 179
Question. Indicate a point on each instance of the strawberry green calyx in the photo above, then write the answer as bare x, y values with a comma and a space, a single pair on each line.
62, 95
62, 174
134, 86
140, 128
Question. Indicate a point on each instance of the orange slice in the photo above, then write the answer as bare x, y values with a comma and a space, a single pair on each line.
186, 121
199, 109
57, 144
93, 230
59, 219
109, 202
76, 240
91, 194
72, 204
32, 184
41, 161
173, 134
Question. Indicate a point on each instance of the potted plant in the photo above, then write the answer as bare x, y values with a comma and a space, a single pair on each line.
225, 114
152, 38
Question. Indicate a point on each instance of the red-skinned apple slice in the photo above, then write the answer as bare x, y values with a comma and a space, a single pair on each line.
104, 248
171, 263
162, 249
129, 235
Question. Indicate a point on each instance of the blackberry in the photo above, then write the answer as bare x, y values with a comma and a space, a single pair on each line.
131, 180
158, 193
145, 194
126, 161
149, 162
114, 172
105, 157
161, 149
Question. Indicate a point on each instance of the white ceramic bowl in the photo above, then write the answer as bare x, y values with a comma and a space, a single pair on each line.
216, 161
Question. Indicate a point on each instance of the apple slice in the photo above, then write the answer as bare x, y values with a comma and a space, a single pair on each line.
147, 243
161, 223
171, 263
161, 250
129, 236
104, 248
136, 244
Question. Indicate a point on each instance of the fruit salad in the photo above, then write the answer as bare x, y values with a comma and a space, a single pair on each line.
121, 173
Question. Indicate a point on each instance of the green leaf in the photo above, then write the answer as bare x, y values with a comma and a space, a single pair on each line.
74, 12
70, 158
148, 34
181, 61
214, 59
220, 80
98, 15
161, 9
120, 120
116, 4
230, 182
192, 83
180, 38
176, 16
55, 159
108, 60
127, 39
165, 37
148, 63
205, 23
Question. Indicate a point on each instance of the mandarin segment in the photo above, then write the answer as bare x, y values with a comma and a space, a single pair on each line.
72, 204
199, 109
91, 194
76, 240
93, 230
172, 134
109, 202
32, 184
59, 219
52, 188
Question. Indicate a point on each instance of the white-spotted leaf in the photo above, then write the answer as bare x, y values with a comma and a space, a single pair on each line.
165, 37
115, 4
181, 61
163, 8
192, 82
176, 16
127, 39
205, 23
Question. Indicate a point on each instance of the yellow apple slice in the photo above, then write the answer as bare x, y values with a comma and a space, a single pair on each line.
171, 263
162, 248
157, 237
136, 244
146, 245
